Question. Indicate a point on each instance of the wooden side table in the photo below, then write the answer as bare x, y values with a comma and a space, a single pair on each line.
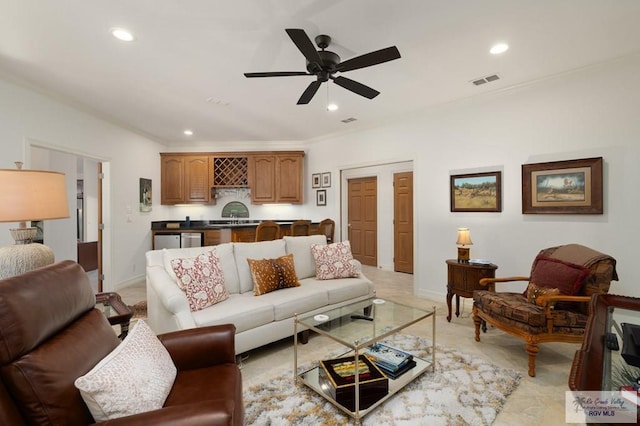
463, 279
116, 311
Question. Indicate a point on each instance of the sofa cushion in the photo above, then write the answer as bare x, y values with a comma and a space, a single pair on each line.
224, 253
273, 274
201, 279
555, 273
334, 261
300, 247
259, 250
343, 289
245, 311
305, 298
135, 377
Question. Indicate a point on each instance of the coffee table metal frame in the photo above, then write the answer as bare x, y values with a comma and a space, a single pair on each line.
338, 323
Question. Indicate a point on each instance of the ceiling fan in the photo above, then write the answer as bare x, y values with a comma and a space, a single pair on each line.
324, 64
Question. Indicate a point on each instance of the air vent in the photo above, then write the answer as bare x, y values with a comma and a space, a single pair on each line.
349, 120
487, 79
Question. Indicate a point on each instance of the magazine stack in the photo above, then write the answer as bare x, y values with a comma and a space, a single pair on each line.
392, 361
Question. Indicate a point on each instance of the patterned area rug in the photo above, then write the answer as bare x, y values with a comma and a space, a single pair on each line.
140, 310
463, 391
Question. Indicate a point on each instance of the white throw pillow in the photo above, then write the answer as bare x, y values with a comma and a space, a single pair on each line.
201, 279
224, 253
135, 377
334, 261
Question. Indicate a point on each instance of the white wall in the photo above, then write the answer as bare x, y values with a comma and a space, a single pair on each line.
28, 118
585, 114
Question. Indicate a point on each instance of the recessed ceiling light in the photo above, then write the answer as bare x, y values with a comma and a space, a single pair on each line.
499, 48
122, 34
332, 107
188, 132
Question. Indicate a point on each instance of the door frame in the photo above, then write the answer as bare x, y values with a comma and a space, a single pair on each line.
107, 282
373, 169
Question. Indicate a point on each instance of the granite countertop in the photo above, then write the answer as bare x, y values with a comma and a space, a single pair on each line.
203, 225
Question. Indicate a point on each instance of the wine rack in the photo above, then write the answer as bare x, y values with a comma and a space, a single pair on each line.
230, 171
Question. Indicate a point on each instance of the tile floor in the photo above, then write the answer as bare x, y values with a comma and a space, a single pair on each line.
537, 400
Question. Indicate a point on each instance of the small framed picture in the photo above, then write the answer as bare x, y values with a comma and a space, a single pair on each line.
315, 180
145, 195
321, 197
477, 192
326, 180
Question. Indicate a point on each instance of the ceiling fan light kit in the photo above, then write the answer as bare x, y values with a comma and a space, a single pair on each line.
323, 64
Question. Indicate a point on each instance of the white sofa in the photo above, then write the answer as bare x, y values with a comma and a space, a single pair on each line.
258, 319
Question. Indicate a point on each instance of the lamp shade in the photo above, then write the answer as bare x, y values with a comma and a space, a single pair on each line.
464, 238
27, 195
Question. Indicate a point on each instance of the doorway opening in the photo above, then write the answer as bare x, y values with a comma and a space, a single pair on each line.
79, 237
379, 211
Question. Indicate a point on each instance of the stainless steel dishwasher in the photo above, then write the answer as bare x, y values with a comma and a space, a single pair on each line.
191, 239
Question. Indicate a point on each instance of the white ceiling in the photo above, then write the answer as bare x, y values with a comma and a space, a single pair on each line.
185, 69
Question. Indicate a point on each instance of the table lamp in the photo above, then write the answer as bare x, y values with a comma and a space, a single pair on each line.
464, 239
27, 195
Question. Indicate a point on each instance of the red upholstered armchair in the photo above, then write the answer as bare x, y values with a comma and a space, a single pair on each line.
554, 308
51, 334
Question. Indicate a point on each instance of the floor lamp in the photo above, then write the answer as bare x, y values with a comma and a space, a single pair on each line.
27, 195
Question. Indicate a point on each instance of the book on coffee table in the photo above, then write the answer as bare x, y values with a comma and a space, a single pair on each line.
387, 357
395, 374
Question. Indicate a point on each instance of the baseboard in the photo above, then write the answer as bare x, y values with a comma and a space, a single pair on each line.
136, 280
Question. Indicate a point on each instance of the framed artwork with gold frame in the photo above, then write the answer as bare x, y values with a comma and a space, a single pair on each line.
563, 187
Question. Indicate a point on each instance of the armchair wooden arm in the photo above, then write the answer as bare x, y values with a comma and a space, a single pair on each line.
490, 282
550, 301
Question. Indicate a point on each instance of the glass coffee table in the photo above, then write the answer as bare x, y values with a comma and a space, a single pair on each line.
358, 326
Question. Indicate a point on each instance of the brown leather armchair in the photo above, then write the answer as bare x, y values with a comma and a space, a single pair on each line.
51, 333
554, 318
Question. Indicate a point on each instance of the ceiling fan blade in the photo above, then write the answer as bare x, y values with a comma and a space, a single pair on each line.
304, 44
368, 59
275, 74
356, 87
309, 92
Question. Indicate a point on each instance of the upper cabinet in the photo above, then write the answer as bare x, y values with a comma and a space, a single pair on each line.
185, 179
262, 178
172, 179
273, 176
276, 177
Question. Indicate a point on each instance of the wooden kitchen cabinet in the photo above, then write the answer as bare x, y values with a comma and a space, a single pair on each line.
172, 180
276, 178
214, 237
262, 178
463, 279
272, 176
243, 235
185, 179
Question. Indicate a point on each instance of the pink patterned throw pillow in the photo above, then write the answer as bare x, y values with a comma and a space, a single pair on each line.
334, 261
201, 279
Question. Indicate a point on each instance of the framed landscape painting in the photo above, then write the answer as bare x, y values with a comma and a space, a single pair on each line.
476, 192
563, 187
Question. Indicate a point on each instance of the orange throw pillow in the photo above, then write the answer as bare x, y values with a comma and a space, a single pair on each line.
273, 274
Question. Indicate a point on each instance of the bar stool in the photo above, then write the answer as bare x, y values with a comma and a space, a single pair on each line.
300, 228
267, 231
327, 227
